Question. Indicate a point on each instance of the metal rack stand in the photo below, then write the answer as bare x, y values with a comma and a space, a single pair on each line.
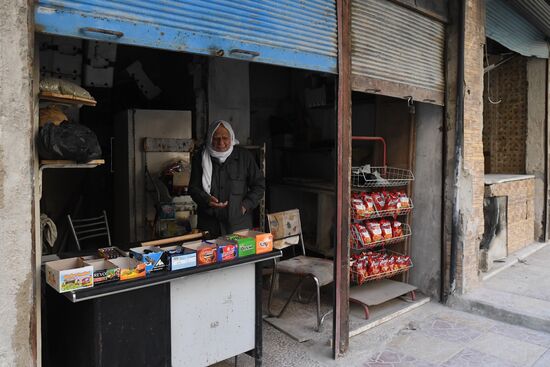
366, 178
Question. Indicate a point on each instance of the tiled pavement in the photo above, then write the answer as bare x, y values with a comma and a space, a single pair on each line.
430, 336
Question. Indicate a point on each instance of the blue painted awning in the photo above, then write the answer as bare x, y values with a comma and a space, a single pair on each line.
509, 28
301, 34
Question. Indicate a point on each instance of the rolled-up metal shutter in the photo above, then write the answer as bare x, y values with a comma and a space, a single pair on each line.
300, 34
397, 52
506, 26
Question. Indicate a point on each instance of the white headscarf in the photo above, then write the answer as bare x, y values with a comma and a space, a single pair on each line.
210, 152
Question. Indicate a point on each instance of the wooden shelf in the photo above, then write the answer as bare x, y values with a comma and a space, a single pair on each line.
62, 98
48, 163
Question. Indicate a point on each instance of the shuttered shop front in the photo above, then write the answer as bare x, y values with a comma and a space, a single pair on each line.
397, 52
301, 34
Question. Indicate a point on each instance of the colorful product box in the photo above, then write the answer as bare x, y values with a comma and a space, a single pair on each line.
227, 252
130, 268
264, 241
246, 245
207, 254
69, 274
153, 257
180, 257
104, 270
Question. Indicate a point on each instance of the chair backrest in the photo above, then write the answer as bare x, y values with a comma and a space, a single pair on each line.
86, 228
286, 229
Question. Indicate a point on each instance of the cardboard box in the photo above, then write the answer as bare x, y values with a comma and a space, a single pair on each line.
246, 245
69, 275
104, 270
153, 257
130, 268
227, 252
264, 241
180, 257
207, 254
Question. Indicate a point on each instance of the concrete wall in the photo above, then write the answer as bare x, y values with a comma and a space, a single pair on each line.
17, 275
426, 224
229, 96
537, 137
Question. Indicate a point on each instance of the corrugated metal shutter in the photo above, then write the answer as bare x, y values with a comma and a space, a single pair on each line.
300, 34
397, 52
536, 10
510, 29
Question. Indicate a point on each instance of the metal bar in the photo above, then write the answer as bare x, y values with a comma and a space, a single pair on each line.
374, 138
258, 337
167, 145
87, 219
343, 172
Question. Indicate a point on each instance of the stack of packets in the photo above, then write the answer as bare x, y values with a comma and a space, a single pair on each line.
376, 264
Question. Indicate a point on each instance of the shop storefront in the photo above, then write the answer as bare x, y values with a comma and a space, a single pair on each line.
157, 74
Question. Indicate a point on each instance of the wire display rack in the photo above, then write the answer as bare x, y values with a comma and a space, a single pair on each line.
361, 276
394, 213
358, 244
367, 176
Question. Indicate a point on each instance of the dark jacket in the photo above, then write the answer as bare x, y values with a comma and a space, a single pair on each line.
238, 180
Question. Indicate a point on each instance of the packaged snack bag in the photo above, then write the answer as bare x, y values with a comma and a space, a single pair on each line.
359, 209
374, 266
369, 203
384, 266
360, 235
379, 200
403, 200
391, 264
397, 229
375, 231
392, 201
386, 227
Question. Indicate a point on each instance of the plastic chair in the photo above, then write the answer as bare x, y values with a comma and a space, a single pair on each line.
287, 231
86, 228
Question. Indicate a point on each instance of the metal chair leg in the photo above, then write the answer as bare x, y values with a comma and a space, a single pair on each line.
271, 286
318, 289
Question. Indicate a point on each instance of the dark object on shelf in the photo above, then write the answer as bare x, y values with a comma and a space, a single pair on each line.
68, 141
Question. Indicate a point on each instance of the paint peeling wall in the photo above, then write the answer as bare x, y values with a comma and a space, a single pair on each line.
17, 339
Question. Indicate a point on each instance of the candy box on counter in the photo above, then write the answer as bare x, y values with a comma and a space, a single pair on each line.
179, 257
130, 268
264, 241
246, 245
69, 274
111, 252
104, 270
153, 257
227, 251
207, 253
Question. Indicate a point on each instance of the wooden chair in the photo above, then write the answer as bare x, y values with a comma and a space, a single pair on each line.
86, 228
287, 231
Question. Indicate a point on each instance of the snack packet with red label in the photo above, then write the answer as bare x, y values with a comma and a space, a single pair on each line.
362, 235
386, 227
374, 266
397, 229
404, 201
358, 208
384, 266
369, 203
374, 230
392, 201
379, 200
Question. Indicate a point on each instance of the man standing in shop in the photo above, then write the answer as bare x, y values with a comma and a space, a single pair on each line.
226, 182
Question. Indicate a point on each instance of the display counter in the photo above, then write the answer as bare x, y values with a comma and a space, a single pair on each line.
190, 317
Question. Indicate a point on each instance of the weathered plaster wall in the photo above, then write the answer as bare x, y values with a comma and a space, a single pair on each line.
471, 171
536, 136
17, 336
426, 221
